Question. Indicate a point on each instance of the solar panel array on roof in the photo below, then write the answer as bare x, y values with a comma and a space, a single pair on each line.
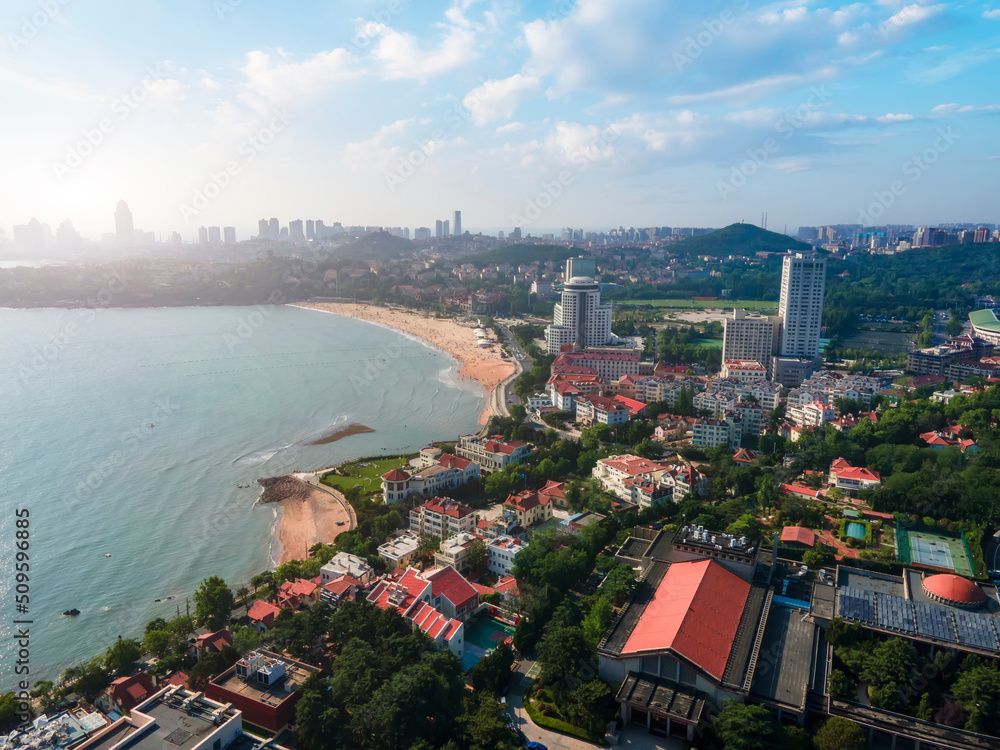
976, 630
895, 613
934, 622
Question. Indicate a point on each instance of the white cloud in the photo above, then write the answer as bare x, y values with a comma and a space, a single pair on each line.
401, 56
911, 15
890, 117
992, 14
510, 127
753, 89
793, 165
497, 99
283, 81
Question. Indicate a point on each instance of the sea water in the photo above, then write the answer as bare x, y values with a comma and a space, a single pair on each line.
125, 433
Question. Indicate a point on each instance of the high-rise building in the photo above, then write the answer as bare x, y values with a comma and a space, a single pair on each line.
579, 317
124, 228
214, 235
263, 229
176, 239
310, 229
229, 235
422, 233
800, 308
458, 223
800, 315
274, 230
581, 267
438, 228
446, 228
295, 233
202, 235
516, 234
749, 338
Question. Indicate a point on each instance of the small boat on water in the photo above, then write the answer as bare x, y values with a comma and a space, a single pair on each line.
107, 554
71, 612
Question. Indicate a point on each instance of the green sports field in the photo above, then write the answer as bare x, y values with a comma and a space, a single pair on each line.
690, 304
934, 551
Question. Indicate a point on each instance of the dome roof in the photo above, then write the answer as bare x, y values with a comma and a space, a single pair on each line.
954, 588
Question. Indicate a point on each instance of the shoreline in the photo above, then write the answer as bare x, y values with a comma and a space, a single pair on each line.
306, 515
485, 367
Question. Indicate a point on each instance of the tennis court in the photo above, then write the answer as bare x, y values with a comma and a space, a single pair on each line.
934, 550
481, 637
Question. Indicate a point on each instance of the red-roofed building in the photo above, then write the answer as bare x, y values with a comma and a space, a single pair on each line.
554, 492
210, 643
339, 591
744, 457
493, 454
529, 507
126, 693
442, 517
690, 624
851, 479
414, 597
262, 615
798, 536
600, 410
635, 408
296, 594
432, 472
614, 470
506, 587
452, 594
799, 490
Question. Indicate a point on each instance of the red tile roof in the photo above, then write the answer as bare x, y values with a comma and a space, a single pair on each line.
396, 475
215, 641
695, 612
798, 489
953, 588
451, 461
450, 584
634, 407
744, 456
339, 585
506, 585
444, 506
261, 611
798, 534
129, 692
526, 500
553, 489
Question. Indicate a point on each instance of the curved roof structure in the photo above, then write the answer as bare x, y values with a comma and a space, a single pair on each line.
952, 589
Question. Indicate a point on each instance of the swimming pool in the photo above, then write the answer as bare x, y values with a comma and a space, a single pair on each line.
856, 530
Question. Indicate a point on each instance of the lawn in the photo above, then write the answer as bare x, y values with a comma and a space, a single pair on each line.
747, 304
558, 725
367, 473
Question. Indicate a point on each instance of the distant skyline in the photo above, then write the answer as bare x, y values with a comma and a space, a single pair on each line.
593, 113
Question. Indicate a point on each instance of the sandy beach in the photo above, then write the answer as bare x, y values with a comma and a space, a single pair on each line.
486, 367
309, 515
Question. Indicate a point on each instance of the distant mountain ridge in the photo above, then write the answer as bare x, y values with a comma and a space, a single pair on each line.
517, 254
741, 239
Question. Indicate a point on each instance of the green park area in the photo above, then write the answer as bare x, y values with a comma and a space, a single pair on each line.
365, 473
690, 304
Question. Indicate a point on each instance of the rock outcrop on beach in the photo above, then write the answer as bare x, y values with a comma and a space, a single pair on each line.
277, 489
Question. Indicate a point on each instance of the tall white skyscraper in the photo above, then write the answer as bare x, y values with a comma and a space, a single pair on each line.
579, 317
800, 314
458, 223
446, 227
800, 308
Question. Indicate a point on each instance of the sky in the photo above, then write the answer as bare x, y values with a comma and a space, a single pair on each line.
593, 113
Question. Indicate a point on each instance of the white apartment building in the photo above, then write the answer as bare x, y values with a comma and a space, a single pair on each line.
455, 551
442, 518
800, 308
579, 317
493, 454
750, 339
748, 371
501, 553
401, 550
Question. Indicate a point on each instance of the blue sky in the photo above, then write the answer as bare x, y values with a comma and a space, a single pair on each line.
592, 113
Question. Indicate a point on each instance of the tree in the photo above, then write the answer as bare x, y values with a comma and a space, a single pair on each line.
597, 621
213, 603
492, 671
477, 554
977, 690
746, 525
484, 724
44, 694
746, 727
840, 734
818, 556
121, 657
246, 640
618, 585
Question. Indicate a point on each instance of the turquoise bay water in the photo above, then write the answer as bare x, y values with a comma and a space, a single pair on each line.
126, 432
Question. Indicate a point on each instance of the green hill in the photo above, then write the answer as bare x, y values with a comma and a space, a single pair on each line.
741, 239
517, 254
378, 245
